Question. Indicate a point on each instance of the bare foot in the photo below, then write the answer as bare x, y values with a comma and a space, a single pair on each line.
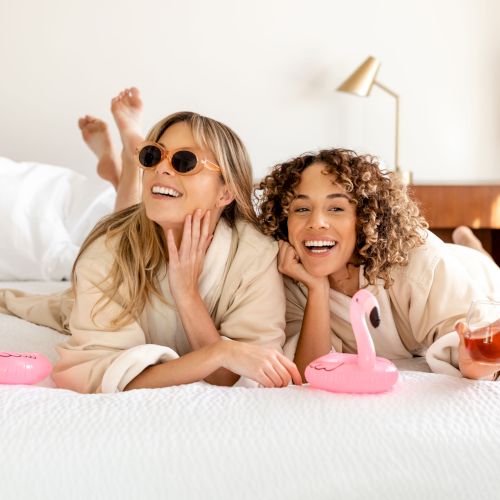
463, 235
96, 136
126, 108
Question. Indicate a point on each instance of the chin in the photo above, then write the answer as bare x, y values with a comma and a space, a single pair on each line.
155, 209
318, 271
160, 217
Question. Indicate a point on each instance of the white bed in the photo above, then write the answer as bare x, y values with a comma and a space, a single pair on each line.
432, 437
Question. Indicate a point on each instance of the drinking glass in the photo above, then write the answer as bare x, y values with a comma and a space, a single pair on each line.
482, 338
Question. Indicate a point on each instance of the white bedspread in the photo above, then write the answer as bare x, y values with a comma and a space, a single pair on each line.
432, 437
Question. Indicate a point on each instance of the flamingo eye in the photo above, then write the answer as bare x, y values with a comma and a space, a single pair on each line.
375, 317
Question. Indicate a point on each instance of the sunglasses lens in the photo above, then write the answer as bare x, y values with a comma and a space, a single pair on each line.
149, 156
184, 161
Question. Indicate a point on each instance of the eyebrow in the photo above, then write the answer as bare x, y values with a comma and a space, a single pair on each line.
329, 196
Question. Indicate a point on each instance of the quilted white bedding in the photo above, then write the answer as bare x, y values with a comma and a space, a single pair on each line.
432, 437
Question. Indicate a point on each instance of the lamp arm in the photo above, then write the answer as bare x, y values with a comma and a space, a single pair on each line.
386, 89
396, 96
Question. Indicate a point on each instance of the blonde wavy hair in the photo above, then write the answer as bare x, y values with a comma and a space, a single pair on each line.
139, 244
388, 221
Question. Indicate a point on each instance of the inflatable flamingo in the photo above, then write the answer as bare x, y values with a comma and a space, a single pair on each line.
23, 367
355, 373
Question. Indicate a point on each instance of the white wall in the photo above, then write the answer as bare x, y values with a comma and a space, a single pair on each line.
268, 69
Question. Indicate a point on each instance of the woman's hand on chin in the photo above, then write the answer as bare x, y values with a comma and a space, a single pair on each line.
266, 366
469, 367
290, 265
186, 263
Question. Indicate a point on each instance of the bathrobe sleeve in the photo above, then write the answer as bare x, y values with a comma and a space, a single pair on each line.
436, 290
97, 357
256, 312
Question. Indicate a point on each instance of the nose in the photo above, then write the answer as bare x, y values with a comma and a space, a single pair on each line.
164, 168
318, 220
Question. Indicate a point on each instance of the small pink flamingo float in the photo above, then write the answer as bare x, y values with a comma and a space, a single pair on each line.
23, 367
355, 373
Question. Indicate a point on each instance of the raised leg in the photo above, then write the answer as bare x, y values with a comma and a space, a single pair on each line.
96, 135
127, 108
463, 235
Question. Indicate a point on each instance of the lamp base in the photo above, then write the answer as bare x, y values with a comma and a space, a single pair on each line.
405, 176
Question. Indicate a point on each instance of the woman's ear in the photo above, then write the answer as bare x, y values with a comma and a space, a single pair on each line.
225, 198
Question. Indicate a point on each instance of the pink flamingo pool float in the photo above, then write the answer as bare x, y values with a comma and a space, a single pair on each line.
23, 367
355, 373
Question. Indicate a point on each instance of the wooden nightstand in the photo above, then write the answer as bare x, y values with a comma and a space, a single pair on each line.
448, 206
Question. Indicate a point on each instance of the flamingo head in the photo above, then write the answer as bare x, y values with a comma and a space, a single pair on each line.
364, 302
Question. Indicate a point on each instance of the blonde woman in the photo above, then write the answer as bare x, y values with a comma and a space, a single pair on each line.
344, 225
178, 287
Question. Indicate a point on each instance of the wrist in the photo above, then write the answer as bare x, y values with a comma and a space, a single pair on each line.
187, 298
220, 351
318, 287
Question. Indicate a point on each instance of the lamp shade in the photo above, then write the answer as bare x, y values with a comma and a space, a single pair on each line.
361, 81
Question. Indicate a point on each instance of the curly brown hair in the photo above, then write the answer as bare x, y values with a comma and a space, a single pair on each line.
388, 221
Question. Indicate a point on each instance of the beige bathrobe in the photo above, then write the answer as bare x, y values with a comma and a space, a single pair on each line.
418, 312
248, 304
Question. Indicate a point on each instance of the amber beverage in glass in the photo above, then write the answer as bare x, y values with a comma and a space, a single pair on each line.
482, 338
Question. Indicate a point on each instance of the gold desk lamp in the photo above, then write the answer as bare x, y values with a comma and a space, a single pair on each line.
360, 83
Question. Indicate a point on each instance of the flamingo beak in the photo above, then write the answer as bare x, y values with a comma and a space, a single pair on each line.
375, 317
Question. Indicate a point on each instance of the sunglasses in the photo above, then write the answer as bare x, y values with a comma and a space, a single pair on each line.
183, 162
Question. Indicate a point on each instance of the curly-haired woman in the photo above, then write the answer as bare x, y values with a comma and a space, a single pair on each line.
343, 224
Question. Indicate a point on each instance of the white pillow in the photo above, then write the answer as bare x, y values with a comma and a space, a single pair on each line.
45, 213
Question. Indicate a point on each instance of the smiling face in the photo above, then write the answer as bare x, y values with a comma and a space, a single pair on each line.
322, 223
168, 198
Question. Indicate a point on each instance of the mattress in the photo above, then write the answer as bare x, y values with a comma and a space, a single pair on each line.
433, 436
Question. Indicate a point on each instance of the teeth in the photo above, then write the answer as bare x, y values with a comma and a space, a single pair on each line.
319, 243
164, 190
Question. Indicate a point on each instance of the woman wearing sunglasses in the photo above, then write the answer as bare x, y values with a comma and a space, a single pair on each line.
342, 225
163, 288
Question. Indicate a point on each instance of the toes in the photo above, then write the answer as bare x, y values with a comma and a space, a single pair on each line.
84, 121
90, 124
133, 99
117, 98
126, 94
127, 101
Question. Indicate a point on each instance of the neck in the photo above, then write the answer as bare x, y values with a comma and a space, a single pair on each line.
345, 281
177, 230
